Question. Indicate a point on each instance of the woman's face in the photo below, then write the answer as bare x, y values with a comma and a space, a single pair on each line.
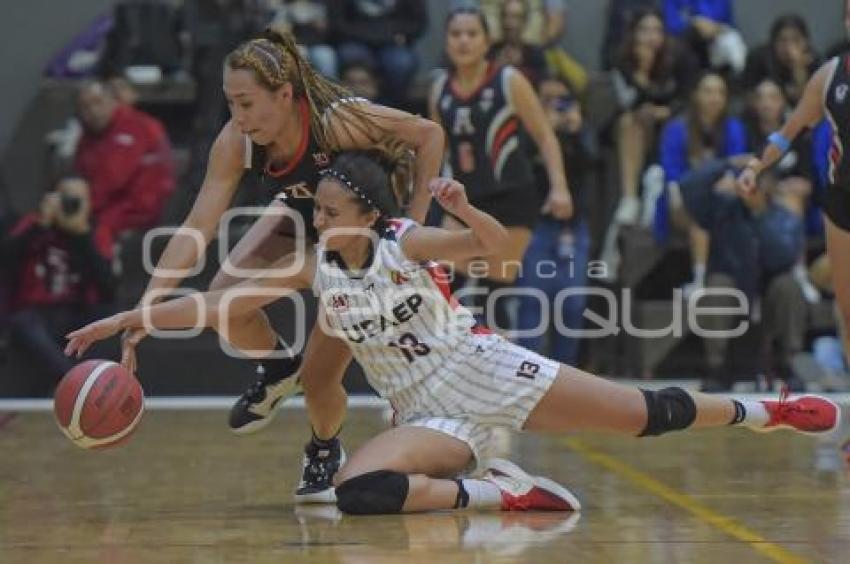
649, 32
466, 42
256, 111
788, 41
710, 97
336, 208
769, 101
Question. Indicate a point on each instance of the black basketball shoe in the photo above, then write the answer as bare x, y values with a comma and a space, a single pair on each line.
321, 462
256, 407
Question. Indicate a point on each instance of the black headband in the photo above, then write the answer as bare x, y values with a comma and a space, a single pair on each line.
353, 187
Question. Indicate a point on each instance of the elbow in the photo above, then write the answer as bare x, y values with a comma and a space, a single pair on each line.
429, 135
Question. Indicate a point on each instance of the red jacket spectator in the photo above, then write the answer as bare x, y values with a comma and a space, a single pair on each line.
126, 157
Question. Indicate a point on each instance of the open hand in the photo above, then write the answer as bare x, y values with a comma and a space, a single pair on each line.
450, 194
80, 340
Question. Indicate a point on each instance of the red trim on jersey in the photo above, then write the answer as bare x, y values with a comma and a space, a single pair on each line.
302, 145
491, 72
481, 330
441, 279
510, 127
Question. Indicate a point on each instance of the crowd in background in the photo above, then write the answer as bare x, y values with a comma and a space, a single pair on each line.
691, 101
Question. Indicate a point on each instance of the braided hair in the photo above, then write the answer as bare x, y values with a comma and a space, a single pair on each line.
274, 60
369, 175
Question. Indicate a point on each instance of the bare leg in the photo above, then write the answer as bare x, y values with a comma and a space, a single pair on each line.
580, 401
325, 361
631, 151
419, 453
260, 247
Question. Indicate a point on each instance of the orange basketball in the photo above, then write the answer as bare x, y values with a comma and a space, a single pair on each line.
98, 404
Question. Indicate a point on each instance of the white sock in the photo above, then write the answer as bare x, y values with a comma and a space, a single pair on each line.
750, 413
481, 493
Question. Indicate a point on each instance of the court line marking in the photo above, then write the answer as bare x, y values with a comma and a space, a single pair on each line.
226, 402
725, 524
190, 402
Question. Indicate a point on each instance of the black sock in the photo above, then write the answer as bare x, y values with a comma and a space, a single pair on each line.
325, 443
462, 499
740, 413
280, 362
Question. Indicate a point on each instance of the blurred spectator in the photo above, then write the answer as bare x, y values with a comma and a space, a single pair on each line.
651, 79
511, 49
308, 20
124, 90
558, 255
360, 78
755, 242
704, 132
787, 59
797, 173
381, 32
59, 280
708, 29
618, 18
125, 156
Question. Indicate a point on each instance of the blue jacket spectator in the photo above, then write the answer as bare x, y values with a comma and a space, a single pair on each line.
748, 243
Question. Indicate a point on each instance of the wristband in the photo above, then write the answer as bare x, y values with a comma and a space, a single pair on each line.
782, 143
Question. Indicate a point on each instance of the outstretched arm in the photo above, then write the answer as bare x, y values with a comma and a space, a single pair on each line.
205, 309
423, 135
808, 112
484, 234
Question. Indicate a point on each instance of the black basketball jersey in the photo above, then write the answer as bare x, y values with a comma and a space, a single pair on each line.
837, 109
487, 150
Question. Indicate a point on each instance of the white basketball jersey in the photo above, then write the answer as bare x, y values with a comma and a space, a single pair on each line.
397, 315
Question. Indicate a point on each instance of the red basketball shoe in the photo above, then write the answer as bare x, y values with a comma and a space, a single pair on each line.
521, 492
806, 414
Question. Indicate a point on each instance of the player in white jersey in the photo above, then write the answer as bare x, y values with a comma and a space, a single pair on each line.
451, 384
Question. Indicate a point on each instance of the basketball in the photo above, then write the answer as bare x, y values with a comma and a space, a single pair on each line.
98, 404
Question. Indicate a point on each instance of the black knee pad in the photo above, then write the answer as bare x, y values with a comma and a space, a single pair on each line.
373, 493
670, 409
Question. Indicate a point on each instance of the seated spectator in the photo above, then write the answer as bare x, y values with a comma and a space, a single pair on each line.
360, 78
651, 80
788, 59
382, 34
58, 278
511, 49
557, 257
704, 132
708, 29
125, 156
618, 17
755, 242
308, 20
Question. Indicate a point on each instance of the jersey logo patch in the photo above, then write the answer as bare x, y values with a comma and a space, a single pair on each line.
398, 278
299, 190
841, 93
486, 102
321, 159
340, 303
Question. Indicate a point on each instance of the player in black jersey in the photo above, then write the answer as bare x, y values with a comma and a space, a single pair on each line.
286, 120
486, 111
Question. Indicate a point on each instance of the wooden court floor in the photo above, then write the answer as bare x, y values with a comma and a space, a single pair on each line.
185, 490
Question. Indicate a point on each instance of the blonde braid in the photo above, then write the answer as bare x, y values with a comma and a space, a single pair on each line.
275, 59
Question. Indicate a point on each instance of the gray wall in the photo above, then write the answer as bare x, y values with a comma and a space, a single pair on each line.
30, 32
